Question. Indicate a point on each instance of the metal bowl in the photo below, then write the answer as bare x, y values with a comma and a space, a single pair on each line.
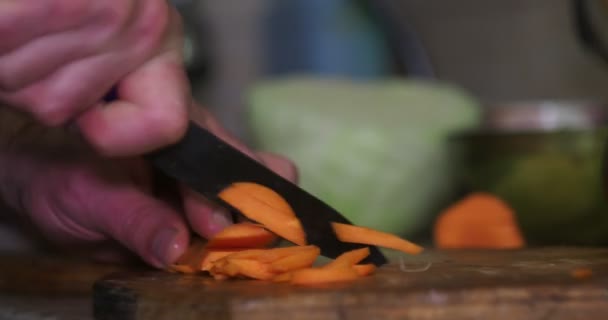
549, 172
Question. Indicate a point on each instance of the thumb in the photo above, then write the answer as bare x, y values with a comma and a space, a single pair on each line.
79, 206
145, 225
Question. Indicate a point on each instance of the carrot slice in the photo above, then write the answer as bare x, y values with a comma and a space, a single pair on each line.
213, 255
270, 255
243, 267
284, 225
282, 277
479, 221
298, 260
364, 269
363, 235
266, 195
183, 268
319, 276
349, 258
242, 235
238, 251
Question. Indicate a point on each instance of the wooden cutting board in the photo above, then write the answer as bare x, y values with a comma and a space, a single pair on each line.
37, 274
530, 284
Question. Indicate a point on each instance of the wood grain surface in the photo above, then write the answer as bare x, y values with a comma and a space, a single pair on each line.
528, 284
36, 286
47, 275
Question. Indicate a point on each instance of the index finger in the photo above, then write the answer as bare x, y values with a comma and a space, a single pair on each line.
152, 111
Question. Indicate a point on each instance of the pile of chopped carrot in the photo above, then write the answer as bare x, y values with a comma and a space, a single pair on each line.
244, 250
479, 221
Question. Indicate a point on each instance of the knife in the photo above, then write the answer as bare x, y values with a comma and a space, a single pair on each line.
207, 165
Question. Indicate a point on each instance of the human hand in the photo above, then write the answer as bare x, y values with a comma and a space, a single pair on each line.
58, 58
81, 201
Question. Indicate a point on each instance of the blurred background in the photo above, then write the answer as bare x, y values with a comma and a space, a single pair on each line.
502, 51
393, 110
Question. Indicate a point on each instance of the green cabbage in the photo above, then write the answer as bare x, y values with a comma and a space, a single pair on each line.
374, 150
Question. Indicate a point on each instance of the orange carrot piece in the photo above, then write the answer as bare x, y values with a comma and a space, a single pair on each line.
275, 254
220, 277
364, 269
297, 260
363, 235
269, 255
237, 251
282, 277
244, 267
320, 276
275, 220
242, 235
349, 258
213, 255
266, 195
183, 268
479, 221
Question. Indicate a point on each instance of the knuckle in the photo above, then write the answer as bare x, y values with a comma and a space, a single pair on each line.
112, 15
50, 116
7, 32
6, 81
50, 111
133, 220
134, 228
11, 77
153, 25
75, 185
66, 12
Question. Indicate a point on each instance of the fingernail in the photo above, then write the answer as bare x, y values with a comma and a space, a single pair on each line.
165, 247
220, 219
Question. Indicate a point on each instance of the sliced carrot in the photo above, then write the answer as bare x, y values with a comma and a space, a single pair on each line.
298, 260
239, 251
319, 276
349, 258
244, 267
365, 269
252, 254
266, 195
242, 235
363, 235
213, 255
183, 268
275, 220
282, 277
479, 221
275, 254
220, 277
270, 255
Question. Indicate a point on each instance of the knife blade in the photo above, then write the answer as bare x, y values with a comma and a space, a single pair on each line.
207, 164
